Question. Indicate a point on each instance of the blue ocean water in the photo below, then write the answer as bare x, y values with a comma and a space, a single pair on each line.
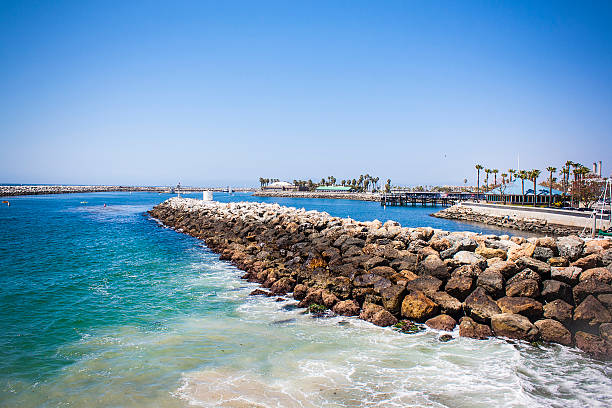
100, 306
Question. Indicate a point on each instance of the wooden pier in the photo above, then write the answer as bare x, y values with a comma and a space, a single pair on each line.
403, 199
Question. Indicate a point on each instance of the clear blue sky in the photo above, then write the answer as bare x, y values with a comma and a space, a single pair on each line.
223, 92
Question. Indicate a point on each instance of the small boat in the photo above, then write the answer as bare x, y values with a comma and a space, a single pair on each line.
6, 202
83, 202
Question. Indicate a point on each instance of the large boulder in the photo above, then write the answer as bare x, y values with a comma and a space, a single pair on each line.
448, 304
385, 271
375, 261
514, 326
347, 308
416, 306
459, 286
553, 331
434, 266
600, 274
329, 299
568, 274
558, 261
470, 258
559, 310
543, 253
587, 262
592, 344
377, 314
392, 297
525, 306
489, 253
542, 268
425, 284
469, 328
570, 247
480, 306
300, 291
590, 287
506, 268
492, 281
283, 286
526, 287
592, 312
524, 274
523, 250
605, 331
553, 289
442, 322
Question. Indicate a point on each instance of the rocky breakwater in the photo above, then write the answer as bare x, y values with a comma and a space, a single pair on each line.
536, 225
537, 289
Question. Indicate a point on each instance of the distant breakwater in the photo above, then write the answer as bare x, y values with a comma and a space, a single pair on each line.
530, 224
314, 194
537, 289
13, 190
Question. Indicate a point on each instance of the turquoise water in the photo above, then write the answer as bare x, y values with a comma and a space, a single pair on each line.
100, 306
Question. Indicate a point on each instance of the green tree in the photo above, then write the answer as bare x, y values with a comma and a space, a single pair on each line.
495, 171
511, 172
487, 172
522, 174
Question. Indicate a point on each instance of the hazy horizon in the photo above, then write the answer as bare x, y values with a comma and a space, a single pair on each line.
222, 93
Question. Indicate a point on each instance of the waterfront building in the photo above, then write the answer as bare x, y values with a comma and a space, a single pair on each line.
280, 186
512, 193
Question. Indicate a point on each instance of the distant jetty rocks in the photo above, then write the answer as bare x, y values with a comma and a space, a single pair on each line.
18, 190
537, 289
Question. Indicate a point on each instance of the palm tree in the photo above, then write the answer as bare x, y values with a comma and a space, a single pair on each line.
533, 175
478, 168
522, 174
388, 186
376, 182
511, 172
495, 171
487, 171
551, 170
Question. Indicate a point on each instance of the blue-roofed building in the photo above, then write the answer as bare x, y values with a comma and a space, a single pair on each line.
512, 193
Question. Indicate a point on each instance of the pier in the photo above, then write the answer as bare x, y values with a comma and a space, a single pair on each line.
424, 198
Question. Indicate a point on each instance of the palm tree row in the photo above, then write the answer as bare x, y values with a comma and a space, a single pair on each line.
365, 182
569, 168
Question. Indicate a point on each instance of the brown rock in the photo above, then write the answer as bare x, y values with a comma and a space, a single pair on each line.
442, 322
392, 297
417, 306
459, 286
600, 274
346, 308
489, 253
588, 262
525, 274
409, 275
469, 328
605, 331
606, 300
313, 296
282, 286
260, 292
590, 287
524, 250
329, 299
592, 312
384, 271
542, 268
568, 274
553, 289
592, 344
514, 326
553, 331
448, 304
558, 261
469, 271
524, 288
377, 314
492, 281
506, 268
425, 284
525, 306
434, 266
480, 306
300, 291
558, 310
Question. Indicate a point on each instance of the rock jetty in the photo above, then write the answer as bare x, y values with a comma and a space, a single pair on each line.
19, 190
537, 289
536, 225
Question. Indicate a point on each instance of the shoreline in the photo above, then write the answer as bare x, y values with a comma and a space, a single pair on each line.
536, 289
23, 190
